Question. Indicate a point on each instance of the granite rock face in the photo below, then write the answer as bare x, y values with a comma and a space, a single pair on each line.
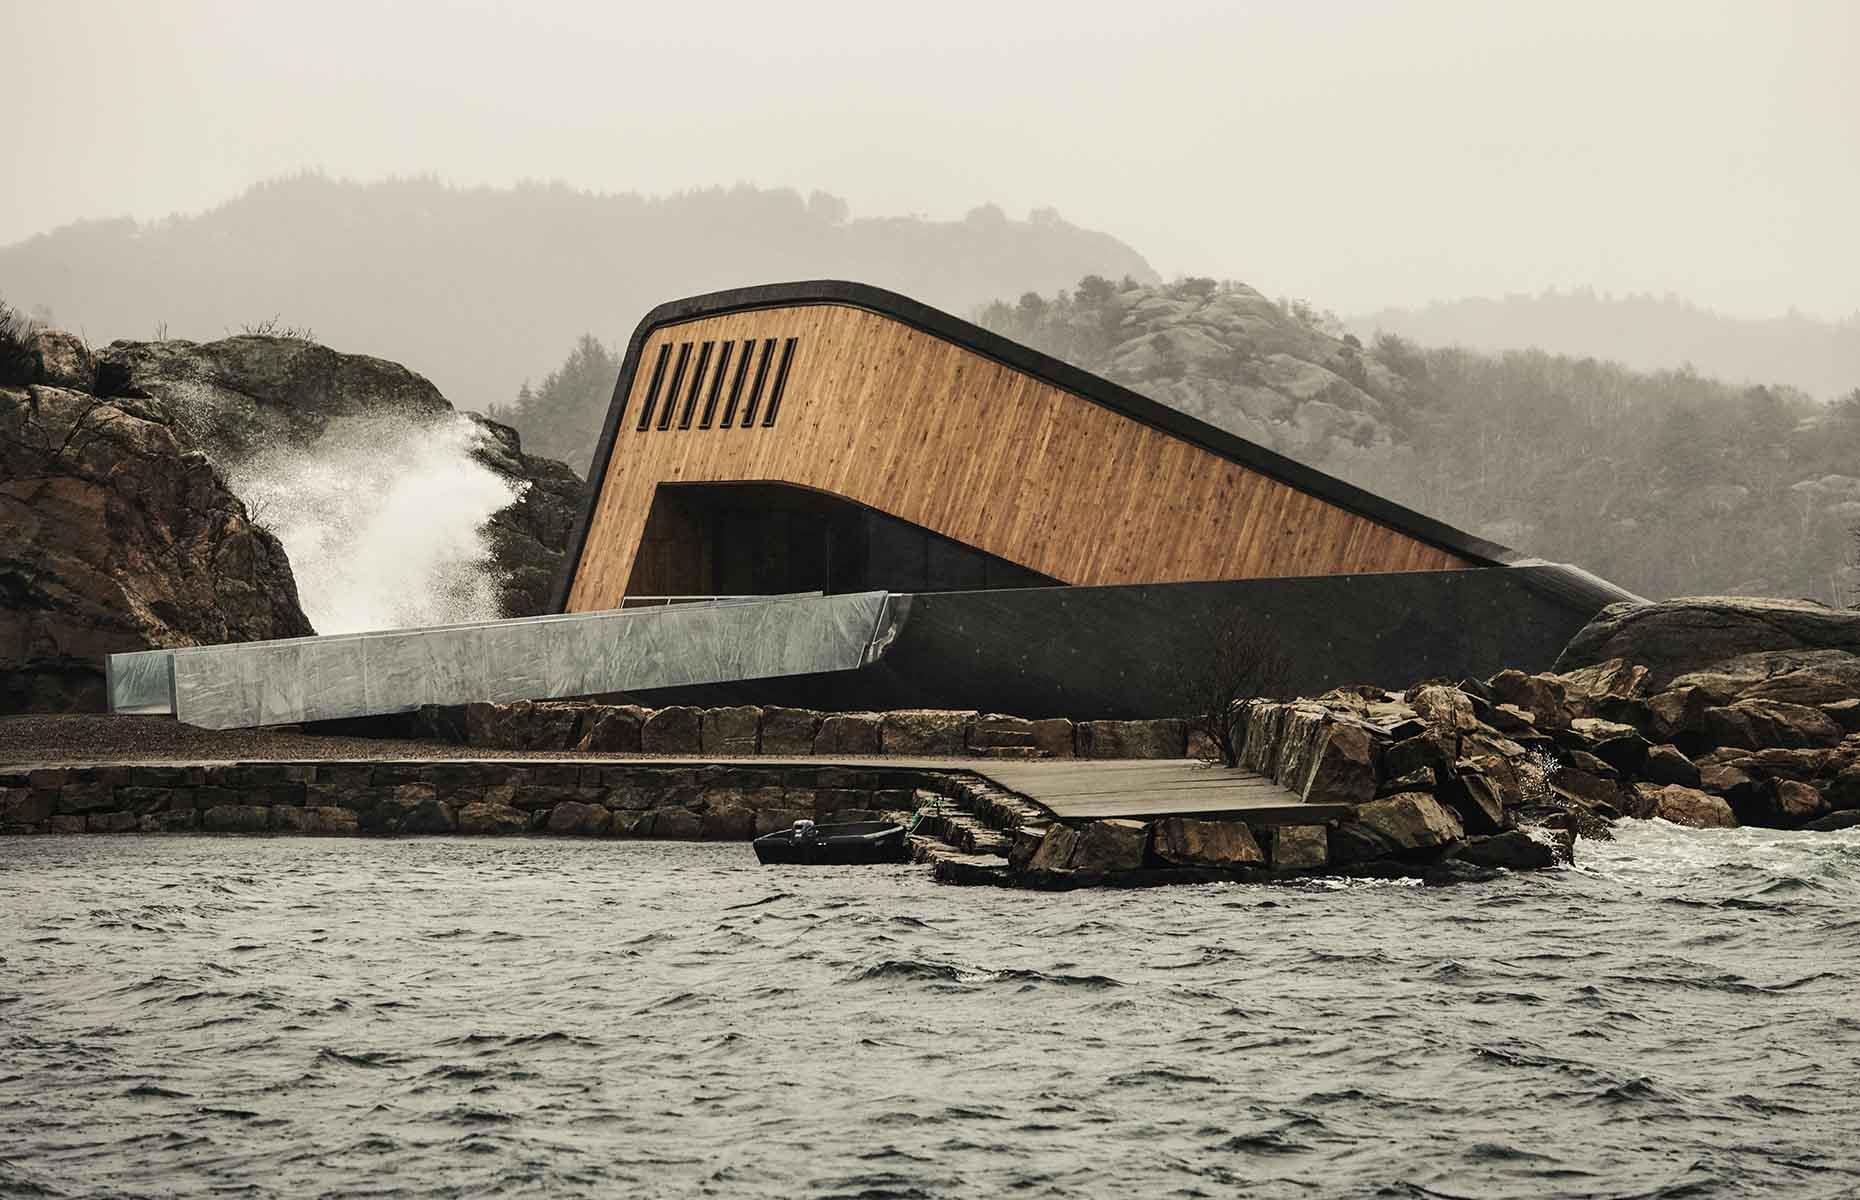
1686, 806
237, 396
1410, 822
1183, 842
1133, 739
1300, 848
119, 535
1674, 637
925, 731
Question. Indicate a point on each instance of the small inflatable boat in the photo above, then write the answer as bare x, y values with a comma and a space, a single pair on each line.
839, 845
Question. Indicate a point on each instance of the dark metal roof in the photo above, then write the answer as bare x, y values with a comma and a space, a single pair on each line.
1100, 391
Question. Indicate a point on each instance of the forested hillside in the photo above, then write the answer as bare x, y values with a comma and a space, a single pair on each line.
1644, 332
480, 288
1666, 482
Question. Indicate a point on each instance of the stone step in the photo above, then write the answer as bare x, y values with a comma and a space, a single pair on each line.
1010, 752
971, 870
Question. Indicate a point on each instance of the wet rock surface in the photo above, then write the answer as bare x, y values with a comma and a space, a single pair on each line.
117, 534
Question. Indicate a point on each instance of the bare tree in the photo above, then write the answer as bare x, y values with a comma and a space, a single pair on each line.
1232, 662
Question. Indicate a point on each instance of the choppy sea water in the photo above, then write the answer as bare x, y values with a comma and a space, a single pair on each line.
189, 1016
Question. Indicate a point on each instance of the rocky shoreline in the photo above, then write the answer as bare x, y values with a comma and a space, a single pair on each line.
1443, 782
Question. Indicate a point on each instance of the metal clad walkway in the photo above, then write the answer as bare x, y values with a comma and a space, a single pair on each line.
291, 680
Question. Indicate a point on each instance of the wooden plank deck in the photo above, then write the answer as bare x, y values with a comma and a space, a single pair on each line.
1083, 789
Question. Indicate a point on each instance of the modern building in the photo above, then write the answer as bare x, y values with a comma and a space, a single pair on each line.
939, 517
835, 437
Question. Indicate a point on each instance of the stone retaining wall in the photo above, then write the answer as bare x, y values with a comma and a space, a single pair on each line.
747, 729
594, 799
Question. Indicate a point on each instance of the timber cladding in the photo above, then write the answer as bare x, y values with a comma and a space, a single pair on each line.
844, 398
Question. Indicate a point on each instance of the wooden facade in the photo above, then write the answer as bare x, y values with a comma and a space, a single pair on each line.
859, 394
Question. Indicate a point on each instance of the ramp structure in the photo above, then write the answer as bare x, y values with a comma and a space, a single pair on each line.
628, 650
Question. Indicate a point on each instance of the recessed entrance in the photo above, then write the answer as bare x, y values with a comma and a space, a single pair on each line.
761, 539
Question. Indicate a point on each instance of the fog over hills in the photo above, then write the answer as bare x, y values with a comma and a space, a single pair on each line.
1641, 331
482, 288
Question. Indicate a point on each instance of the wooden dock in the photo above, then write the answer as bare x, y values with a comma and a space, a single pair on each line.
1086, 789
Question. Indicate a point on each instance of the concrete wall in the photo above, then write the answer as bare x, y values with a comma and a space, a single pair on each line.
1096, 652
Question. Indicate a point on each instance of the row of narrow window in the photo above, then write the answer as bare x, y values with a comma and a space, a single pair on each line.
689, 381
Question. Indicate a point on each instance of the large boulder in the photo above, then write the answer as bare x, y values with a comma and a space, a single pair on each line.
484, 817
1185, 842
64, 360
789, 730
1343, 770
1410, 823
1763, 724
1685, 806
676, 729
119, 535
1673, 637
1300, 848
929, 731
1514, 849
1114, 845
611, 728
1811, 677
1166, 738
1544, 697
848, 733
730, 731
524, 725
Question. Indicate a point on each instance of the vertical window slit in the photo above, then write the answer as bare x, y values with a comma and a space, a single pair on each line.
762, 375
652, 389
736, 385
781, 382
671, 393
697, 384
716, 385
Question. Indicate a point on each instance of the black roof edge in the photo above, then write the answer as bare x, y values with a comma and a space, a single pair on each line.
1081, 383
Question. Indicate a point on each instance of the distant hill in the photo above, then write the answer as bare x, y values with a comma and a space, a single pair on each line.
482, 288
1645, 332
1667, 482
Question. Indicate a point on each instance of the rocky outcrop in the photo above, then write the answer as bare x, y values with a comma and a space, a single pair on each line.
1674, 637
239, 396
117, 534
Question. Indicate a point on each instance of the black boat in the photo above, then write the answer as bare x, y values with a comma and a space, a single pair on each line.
839, 845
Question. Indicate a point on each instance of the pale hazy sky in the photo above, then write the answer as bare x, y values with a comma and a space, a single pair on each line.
1355, 153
